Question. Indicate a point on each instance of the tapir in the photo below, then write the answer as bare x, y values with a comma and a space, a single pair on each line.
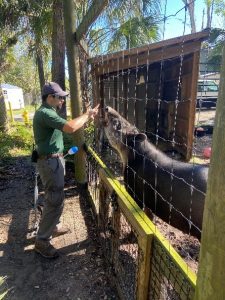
173, 190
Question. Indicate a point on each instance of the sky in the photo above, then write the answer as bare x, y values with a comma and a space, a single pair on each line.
175, 24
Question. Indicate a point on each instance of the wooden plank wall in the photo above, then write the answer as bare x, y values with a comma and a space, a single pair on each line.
124, 91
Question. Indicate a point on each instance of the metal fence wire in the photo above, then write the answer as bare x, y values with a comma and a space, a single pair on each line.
117, 237
141, 266
167, 281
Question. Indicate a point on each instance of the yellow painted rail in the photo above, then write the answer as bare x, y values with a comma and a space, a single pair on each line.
155, 248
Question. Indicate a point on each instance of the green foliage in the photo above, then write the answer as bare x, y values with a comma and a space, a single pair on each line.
19, 18
68, 141
216, 41
3, 288
22, 72
13, 22
135, 32
220, 8
89, 135
16, 142
124, 25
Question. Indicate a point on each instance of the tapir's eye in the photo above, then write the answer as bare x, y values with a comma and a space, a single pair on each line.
119, 126
116, 124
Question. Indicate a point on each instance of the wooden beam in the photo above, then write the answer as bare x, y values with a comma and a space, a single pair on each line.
192, 104
199, 36
92, 14
211, 273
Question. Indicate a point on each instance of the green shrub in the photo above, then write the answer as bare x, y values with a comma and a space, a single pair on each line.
3, 288
17, 141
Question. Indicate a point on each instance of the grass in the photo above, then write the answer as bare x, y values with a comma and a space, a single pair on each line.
29, 108
16, 142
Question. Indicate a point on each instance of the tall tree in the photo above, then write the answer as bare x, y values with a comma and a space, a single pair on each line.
122, 25
58, 44
191, 10
133, 23
74, 73
11, 26
58, 48
216, 44
40, 36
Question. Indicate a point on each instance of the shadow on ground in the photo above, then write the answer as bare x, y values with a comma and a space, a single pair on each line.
78, 273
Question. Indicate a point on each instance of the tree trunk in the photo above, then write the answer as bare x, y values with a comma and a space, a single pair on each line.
75, 88
191, 11
211, 274
40, 65
208, 15
74, 73
58, 48
3, 114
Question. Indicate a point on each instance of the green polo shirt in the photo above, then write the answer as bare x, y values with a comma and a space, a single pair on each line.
47, 127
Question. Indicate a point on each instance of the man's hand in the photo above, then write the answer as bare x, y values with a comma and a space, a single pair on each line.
75, 124
93, 112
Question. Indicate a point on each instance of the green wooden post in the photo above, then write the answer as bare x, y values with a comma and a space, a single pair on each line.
211, 274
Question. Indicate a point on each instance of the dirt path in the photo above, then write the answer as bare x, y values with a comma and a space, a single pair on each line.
78, 273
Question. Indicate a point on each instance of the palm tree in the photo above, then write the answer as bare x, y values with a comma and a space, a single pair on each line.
123, 25
39, 34
137, 23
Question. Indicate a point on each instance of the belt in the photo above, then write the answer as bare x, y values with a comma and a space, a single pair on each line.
53, 155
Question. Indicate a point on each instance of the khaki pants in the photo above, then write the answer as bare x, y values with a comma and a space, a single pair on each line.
52, 173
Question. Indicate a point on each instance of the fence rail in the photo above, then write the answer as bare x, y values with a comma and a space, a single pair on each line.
143, 263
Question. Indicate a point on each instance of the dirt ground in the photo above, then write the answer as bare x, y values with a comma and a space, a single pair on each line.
79, 272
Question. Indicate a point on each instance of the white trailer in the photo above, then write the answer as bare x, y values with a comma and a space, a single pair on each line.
14, 95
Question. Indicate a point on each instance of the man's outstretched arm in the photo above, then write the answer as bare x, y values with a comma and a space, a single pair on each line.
75, 124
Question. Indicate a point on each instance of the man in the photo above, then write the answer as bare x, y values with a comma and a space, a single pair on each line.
48, 127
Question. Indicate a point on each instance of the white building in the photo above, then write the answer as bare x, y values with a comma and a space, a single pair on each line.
12, 94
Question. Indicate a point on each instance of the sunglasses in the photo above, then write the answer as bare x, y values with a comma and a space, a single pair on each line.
59, 97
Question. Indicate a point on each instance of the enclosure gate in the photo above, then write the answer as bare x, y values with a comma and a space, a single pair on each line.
141, 262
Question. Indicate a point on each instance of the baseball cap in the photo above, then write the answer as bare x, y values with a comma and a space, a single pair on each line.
53, 88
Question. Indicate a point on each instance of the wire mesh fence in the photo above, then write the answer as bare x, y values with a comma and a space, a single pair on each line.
126, 236
158, 90
167, 281
152, 89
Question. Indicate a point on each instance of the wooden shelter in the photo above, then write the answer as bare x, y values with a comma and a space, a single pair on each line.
154, 87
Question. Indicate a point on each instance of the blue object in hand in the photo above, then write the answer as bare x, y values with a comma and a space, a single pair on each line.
71, 151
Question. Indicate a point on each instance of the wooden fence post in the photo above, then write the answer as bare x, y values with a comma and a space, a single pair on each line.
211, 274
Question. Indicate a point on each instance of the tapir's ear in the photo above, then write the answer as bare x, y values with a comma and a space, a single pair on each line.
106, 109
140, 137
